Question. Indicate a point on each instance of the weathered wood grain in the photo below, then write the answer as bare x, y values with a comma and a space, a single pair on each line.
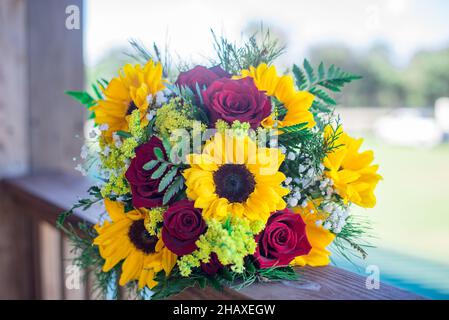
48, 194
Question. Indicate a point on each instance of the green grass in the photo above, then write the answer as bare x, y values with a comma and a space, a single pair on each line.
412, 212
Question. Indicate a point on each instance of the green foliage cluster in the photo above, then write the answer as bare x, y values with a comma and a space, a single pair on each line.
321, 82
176, 283
352, 242
259, 48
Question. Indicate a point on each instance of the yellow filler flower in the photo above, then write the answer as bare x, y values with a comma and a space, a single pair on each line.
296, 102
131, 90
235, 176
351, 171
125, 238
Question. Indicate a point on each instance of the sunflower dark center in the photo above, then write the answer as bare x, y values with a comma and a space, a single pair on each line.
140, 237
131, 107
234, 182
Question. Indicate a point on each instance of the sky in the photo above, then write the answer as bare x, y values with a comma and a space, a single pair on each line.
406, 26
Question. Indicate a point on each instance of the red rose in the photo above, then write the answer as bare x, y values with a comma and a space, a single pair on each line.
212, 266
201, 75
143, 188
231, 100
183, 225
283, 239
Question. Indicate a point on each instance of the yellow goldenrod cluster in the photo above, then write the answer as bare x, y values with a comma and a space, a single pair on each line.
172, 116
115, 157
153, 218
237, 128
231, 241
221, 126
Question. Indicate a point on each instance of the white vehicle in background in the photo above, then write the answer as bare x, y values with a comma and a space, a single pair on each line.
410, 127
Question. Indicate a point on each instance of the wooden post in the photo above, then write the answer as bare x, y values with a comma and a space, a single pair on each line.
14, 152
41, 57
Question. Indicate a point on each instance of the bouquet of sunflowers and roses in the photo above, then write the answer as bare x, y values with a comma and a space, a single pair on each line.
218, 175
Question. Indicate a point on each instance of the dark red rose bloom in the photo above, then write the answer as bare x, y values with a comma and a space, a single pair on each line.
283, 239
231, 100
212, 266
143, 188
201, 75
183, 225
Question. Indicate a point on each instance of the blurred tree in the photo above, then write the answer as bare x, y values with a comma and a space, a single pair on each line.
427, 77
381, 84
419, 84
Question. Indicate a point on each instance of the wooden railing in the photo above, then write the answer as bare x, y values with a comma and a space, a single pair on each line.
35, 254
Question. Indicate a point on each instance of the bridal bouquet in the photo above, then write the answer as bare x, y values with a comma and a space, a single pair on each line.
218, 175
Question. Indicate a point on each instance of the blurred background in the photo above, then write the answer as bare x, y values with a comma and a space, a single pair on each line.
401, 106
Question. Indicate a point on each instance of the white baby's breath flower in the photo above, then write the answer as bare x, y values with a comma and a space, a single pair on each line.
302, 168
117, 140
291, 156
84, 152
273, 143
151, 115
93, 134
104, 127
282, 149
80, 168
293, 202
106, 151
288, 180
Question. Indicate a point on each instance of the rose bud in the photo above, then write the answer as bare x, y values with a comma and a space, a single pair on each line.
183, 225
283, 239
143, 188
240, 99
213, 266
200, 75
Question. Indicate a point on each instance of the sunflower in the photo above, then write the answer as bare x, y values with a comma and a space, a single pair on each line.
131, 90
125, 238
352, 173
283, 89
318, 237
234, 176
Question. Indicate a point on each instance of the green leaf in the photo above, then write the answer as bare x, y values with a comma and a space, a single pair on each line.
97, 92
82, 97
301, 80
227, 274
321, 94
167, 145
150, 165
173, 189
150, 128
215, 283
250, 267
62, 217
124, 134
167, 179
202, 282
159, 171
321, 71
158, 153
294, 128
319, 106
309, 71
